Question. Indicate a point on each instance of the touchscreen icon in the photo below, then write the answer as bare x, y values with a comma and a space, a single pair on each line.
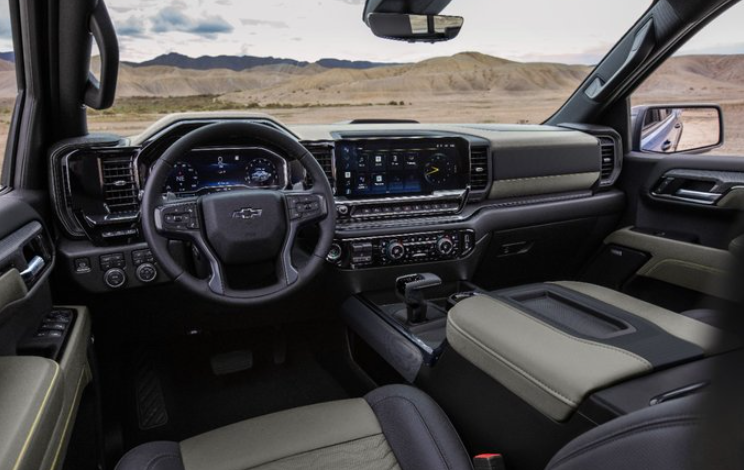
362, 161
411, 161
395, 161
362, 182
378, 162
378, 180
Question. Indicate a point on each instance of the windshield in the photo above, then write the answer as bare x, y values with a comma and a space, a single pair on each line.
317, 62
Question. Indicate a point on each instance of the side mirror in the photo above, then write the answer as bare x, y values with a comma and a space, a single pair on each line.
669, 129
414, 28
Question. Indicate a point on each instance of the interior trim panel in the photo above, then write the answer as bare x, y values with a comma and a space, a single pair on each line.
692, 266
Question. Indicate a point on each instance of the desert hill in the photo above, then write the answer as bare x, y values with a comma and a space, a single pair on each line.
332, 81
710, 74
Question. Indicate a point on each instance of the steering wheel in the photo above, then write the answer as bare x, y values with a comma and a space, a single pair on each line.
239, 228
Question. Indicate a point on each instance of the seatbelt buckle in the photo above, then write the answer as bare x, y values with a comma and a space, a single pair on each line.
488, 462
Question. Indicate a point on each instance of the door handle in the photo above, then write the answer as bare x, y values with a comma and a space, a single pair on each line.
34, 268
703, 196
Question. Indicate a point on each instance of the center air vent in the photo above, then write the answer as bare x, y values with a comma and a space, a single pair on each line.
120, 189
478, 168
323, 153
609, 157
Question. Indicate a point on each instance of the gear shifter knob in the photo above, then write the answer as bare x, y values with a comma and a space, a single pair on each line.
409, 288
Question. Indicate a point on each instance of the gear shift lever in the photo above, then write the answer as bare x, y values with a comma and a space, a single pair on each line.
410, 289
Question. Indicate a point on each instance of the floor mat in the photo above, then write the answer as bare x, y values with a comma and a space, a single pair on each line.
173, 392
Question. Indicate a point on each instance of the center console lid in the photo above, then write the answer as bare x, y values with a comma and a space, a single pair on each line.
552, 345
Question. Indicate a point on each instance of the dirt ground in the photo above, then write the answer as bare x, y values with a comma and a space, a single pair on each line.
473, 108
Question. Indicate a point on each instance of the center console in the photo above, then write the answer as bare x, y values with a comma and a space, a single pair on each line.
388, 181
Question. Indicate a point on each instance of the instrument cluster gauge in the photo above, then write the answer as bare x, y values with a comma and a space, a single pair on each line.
438, 169
262, 172
183, 179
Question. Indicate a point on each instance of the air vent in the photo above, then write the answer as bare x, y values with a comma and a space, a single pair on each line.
119, 185
323, 153
607, 145
478, 168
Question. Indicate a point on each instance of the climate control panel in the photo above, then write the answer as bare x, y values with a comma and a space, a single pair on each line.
411, 248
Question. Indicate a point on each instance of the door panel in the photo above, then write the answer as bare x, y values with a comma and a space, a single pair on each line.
684, 212
687, 265
43, 349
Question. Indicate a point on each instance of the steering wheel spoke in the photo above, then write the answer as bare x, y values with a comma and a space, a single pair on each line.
182, 220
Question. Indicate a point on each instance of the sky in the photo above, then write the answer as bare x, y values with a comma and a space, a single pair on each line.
567, 31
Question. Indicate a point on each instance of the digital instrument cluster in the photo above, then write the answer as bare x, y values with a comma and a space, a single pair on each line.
211, 169
368, 168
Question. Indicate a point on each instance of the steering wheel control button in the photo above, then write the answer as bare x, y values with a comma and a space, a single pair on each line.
179, 216
115, 278
146, 272
304, 207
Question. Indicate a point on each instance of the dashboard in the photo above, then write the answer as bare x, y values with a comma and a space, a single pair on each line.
207, 170
404, 193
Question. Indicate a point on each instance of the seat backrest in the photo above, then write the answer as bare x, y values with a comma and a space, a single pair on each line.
671, 436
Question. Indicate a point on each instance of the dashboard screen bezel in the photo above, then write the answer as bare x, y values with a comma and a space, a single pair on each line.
405, 143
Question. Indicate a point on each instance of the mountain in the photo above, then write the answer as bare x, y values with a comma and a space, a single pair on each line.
351, 64
462, 73
7, 56
240, 63
235, 63
330, 81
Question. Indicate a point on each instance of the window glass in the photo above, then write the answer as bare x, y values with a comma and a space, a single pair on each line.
8, 84
709, 69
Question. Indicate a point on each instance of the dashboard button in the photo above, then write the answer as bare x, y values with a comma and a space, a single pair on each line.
335, 253
115, 278
146, 272
82, 265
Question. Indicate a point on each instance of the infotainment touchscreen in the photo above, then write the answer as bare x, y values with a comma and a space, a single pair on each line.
367, 168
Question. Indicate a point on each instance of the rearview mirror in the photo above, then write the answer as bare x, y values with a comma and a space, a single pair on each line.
671, 129
415, 28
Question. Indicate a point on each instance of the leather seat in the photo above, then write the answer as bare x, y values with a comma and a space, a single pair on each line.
393, 427
399, 427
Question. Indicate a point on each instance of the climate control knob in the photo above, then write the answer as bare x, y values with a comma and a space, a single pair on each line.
395, 250
445, 246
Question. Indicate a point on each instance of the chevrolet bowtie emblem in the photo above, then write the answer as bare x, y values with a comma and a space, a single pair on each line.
247, 213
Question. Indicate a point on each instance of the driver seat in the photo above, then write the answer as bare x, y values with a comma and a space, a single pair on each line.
393, 427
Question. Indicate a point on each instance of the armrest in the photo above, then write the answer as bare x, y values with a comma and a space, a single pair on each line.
31, 394
548, 368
